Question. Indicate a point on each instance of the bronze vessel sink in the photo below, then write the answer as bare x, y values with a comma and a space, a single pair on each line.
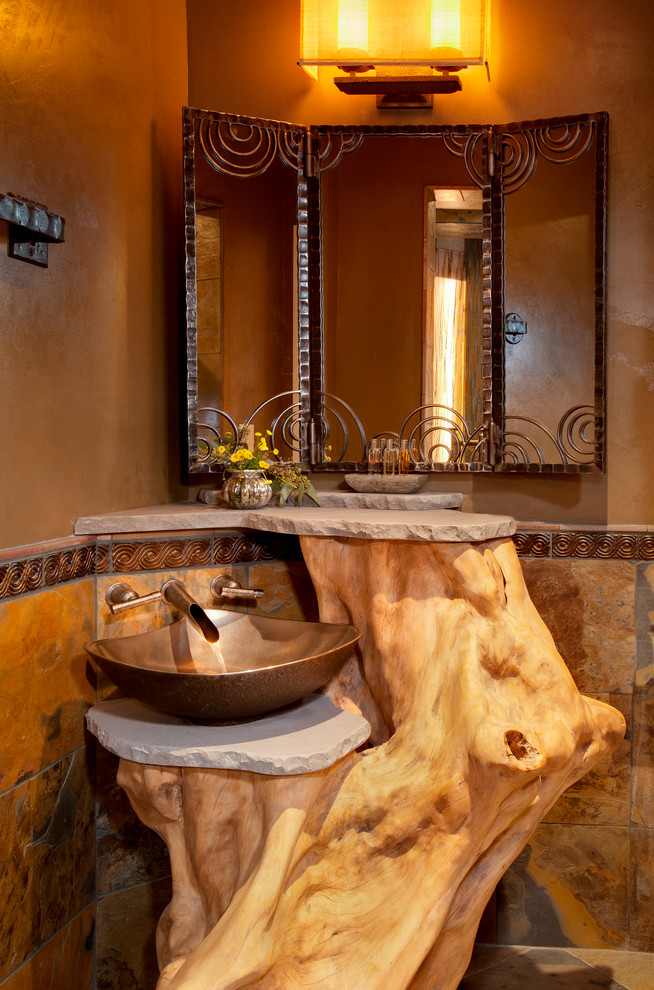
268, 663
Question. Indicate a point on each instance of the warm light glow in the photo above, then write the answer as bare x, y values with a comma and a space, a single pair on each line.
394, 32
353, 27
446, 25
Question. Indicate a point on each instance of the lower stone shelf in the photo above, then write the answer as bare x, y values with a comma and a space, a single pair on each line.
308, 736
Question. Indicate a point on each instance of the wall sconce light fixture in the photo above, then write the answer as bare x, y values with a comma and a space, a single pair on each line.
31, 228
394, 38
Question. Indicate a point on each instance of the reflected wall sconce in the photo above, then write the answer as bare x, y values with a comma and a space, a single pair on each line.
514, 328
392, 39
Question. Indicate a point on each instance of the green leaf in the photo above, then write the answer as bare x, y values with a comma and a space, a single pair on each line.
284, 492
311, 492
300, 492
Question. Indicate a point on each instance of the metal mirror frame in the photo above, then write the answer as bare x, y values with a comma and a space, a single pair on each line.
499, 159
517, 147
216, 140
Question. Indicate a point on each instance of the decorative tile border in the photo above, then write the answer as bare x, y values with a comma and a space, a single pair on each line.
33, 572
153, 556
600, 545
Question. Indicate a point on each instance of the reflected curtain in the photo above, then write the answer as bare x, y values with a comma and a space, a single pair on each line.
449, 322
473, 409
445, 340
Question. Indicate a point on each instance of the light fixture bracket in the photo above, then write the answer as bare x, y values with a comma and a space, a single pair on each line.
399, 92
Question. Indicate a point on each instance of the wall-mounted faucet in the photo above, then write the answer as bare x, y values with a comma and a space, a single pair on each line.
224, 586
120, 597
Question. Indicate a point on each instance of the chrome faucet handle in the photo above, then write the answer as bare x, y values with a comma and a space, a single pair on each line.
120, 597
224, 586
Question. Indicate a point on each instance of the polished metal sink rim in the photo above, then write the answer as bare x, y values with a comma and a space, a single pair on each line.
223, 620
168, 667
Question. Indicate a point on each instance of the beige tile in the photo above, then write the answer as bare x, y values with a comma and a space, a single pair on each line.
643, 761
568, 887
602, 796
644, 682
485, 956
641, 928
634, 970
588, 606
543, 969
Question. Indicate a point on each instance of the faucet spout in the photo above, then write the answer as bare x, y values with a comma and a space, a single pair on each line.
175, 594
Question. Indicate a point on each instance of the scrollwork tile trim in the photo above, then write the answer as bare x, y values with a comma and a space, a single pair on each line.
155, 556
34, 572
585, 544
68, 565
21, 576
532, 544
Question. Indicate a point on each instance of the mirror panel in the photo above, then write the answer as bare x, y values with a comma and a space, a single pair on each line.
382, 244
553, 244
241, 259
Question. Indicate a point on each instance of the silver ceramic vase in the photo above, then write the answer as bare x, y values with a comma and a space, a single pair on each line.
246, 490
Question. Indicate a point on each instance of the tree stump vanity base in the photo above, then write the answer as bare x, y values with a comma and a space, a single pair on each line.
373, 874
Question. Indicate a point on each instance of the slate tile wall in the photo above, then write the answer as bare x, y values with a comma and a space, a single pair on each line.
585, 879
47, 787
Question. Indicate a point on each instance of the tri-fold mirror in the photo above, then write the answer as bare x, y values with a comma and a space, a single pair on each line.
439, 284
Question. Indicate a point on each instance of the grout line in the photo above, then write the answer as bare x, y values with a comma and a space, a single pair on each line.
37, 773
38, 949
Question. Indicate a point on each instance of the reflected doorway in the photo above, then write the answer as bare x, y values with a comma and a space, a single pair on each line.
452, 328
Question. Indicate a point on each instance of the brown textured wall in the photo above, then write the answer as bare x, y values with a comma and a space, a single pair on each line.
90, 116
548, 58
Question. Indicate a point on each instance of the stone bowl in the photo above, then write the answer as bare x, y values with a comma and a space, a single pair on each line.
388, 484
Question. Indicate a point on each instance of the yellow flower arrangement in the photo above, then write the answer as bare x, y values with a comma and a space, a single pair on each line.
283, 477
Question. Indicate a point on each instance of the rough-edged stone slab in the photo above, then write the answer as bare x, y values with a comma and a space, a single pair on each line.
432, 525
359, 500
302, 738
386, 500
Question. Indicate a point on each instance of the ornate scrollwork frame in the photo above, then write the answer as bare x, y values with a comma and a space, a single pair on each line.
320, 429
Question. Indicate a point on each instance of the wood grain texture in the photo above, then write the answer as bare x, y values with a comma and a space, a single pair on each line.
373, 874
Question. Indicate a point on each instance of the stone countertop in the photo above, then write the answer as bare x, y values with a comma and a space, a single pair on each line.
302, 738
431, 525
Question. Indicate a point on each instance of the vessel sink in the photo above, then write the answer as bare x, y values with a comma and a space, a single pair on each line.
268, 663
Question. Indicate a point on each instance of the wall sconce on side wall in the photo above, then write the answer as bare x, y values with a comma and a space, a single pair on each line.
31, 228
394, 38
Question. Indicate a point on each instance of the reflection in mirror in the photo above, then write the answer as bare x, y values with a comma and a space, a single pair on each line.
553, 280
330, 302
241, 190
209, 275
453, 328
386, 291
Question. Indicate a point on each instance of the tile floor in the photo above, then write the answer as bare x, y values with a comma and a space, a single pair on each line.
516, 967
